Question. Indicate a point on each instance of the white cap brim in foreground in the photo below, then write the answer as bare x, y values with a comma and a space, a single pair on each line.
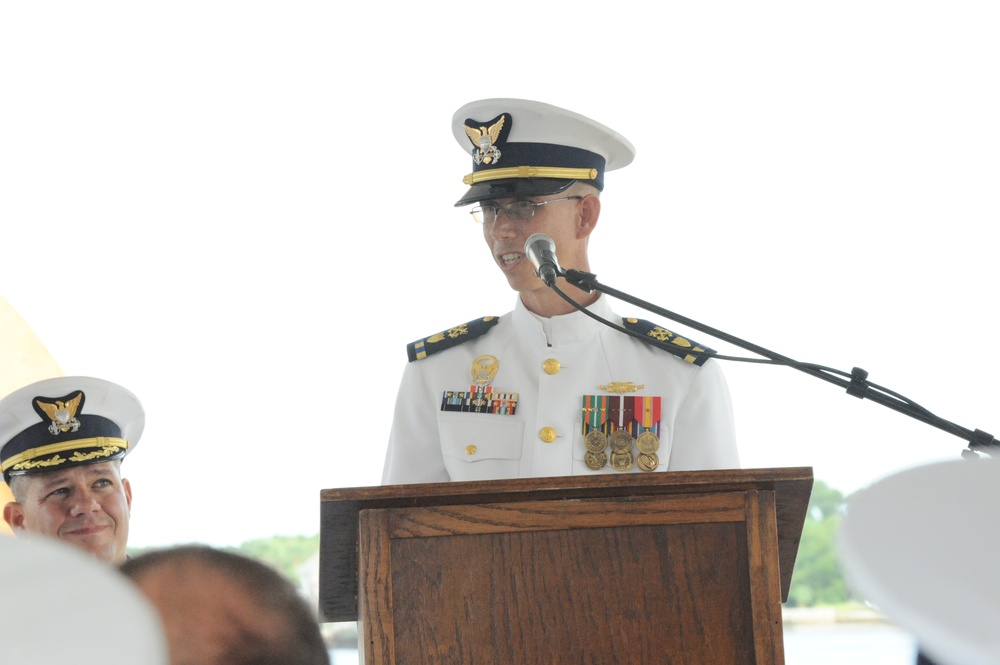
60, 606
921, 546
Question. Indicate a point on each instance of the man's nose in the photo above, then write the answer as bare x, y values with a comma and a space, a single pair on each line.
84, 501
504, 226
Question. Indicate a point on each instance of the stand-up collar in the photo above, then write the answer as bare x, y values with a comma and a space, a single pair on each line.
565, 329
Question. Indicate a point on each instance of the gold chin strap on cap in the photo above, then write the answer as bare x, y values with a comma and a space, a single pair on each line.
530, 172
105, 446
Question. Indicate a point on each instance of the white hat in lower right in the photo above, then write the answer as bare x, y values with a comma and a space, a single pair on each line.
923, 546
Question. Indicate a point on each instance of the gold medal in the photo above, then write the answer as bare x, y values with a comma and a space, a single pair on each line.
621, 441
596, 441
647, 442
648, 461
622, 461
596, 460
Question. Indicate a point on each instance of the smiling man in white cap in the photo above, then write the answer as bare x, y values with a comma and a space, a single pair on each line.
62, 441
547, 390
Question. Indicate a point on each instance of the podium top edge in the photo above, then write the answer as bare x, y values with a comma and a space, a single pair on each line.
757, 478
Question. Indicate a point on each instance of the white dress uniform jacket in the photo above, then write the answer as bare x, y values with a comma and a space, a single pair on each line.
427, 444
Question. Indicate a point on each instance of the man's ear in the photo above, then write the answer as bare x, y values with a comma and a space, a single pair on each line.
590, 210
127, 486
13, 515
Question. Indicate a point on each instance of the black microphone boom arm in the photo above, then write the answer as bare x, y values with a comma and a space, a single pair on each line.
855, 383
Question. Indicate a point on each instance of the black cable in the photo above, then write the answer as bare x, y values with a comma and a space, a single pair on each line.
855, 382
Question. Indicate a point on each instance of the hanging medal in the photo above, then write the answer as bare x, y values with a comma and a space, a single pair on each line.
595, 418
620, 415
647, 415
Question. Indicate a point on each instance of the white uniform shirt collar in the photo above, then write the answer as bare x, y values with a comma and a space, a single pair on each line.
565, 329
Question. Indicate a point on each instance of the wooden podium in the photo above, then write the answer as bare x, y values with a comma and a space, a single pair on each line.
677, 567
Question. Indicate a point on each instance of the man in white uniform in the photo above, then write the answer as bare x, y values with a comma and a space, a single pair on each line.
546, 390
62, 441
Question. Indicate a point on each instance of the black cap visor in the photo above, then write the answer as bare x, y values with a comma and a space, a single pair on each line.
513, 188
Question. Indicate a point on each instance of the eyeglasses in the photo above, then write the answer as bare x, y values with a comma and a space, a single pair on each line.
516, 210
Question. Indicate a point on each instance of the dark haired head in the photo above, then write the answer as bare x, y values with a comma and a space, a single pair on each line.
226, 608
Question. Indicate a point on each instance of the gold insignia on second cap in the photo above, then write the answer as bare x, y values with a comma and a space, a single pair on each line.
621, 387
56, 460
105, 451
62, 413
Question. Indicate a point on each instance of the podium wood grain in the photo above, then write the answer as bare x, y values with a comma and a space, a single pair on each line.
654, 568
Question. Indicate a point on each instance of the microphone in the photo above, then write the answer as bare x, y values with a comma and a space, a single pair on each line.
541, 250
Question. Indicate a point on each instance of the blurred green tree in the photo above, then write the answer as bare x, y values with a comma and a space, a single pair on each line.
817, 578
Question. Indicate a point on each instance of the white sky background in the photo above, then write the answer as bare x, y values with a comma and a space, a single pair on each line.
242, 211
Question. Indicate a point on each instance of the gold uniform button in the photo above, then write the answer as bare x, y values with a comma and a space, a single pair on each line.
470, 450
551, 366
547, 434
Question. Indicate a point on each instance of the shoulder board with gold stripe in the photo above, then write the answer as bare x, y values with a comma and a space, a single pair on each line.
450, 337
698, 353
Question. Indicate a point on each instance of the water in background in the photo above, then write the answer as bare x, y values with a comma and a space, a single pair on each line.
830, 644
344, 657
848, 643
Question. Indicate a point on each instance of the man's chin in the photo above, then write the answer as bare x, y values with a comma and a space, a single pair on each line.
522, 281
100, 547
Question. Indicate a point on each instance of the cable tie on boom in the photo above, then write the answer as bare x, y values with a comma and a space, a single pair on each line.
859, 383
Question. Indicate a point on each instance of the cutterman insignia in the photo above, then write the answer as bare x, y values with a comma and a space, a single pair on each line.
449, 338
622, 387
699, 354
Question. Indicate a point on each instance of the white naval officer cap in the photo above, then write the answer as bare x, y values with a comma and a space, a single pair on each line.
67, 421
60, 605
521, 147
921, 546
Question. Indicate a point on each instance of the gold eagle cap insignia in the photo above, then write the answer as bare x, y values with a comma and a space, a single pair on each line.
484, 139
68, 408
62, 414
